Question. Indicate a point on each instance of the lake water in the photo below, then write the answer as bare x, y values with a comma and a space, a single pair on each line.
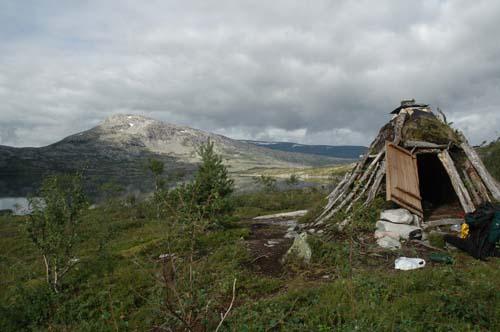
19, 205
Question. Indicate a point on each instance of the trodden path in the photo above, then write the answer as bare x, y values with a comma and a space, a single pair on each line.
269, 240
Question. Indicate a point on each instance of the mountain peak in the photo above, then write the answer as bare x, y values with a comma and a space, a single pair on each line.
121, 118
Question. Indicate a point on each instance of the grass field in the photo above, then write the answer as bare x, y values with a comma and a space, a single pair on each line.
349, 285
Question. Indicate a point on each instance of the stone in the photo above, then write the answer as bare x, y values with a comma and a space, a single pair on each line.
398, 216
387, 242
380, 234
300, 248
401, 229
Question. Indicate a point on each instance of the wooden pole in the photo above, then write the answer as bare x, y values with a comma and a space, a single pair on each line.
456, 181
481, 170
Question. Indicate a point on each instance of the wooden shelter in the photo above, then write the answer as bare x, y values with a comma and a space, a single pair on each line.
425, 164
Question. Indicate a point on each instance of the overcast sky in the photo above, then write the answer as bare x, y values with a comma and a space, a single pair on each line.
320, 72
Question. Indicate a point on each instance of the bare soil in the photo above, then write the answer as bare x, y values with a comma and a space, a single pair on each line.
267, 245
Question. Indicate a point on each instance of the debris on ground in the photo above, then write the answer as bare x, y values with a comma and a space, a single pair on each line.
406, 263
438, 257
293, 214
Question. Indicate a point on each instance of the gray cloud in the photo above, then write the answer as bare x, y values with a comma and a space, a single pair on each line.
323, 72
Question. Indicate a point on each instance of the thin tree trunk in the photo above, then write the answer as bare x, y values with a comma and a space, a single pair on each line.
47, 268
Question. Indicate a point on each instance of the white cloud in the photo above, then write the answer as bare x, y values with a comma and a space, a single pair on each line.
321, 72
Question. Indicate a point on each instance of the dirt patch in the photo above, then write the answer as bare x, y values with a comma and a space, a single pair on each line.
267, 245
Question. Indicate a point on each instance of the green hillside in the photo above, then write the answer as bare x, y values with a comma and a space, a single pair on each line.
491, 157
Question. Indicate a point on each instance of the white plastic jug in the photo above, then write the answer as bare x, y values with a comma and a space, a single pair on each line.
405, 263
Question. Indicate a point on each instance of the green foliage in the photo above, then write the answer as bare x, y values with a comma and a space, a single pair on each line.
269, 183
208, 196
437, 299
126, 286
212, 183
293, 180
53, 223
491, 158
362, 218
156, 167
266, 202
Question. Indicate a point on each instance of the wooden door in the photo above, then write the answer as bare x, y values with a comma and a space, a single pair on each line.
403, 186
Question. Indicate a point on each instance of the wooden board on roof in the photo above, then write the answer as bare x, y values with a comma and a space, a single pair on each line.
403, 187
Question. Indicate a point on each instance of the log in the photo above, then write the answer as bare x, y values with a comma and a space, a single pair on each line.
456, 181
365, 187
340, 191
362, 180
477, 182
376, 184
422, 144
488, 180
398, 127
475, 196
334, 193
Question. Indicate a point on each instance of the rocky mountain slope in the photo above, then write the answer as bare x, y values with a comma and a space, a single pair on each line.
117, 150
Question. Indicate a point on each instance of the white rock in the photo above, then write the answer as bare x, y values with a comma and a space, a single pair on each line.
381, 234
401, 229
387, 242
300, 248
398, 216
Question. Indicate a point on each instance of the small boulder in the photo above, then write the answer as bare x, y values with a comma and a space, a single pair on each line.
300, 249
387, 242
398, 216
402, 230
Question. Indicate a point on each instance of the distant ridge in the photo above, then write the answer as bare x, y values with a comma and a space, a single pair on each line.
118, 149
335, 151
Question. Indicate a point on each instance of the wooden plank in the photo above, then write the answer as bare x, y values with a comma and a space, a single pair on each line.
488, 180
402, 178
456, 181
477, 182
472, 189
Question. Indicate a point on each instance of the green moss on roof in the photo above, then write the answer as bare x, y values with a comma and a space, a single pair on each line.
429, 129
